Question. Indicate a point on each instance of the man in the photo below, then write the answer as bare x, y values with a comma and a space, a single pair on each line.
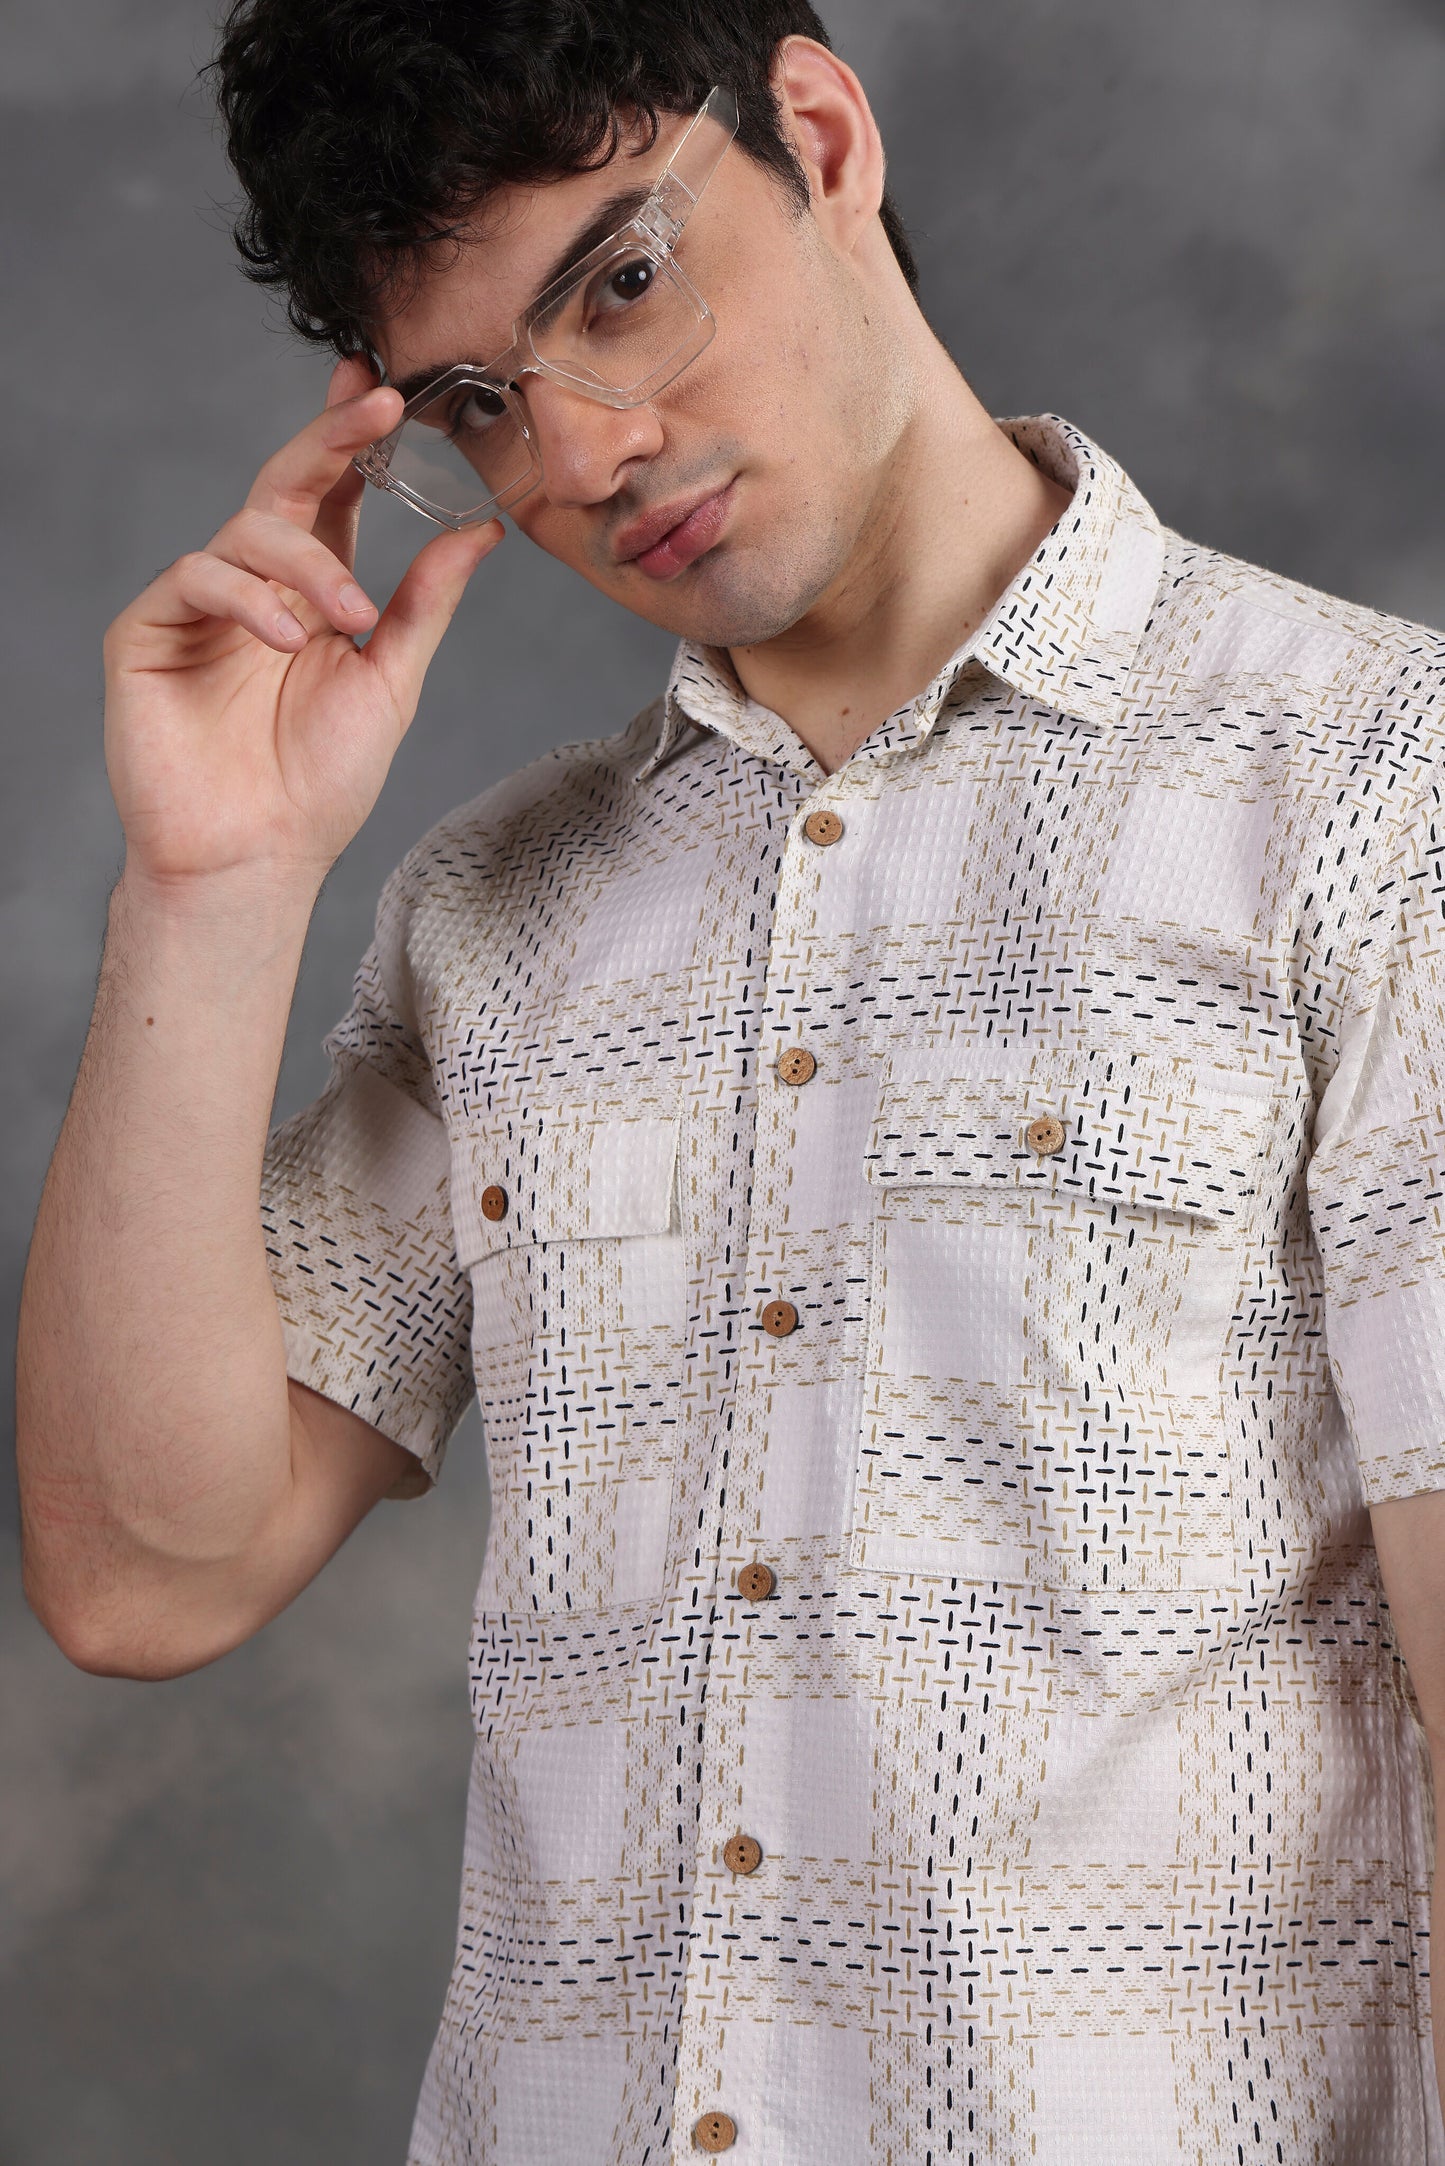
927, 1145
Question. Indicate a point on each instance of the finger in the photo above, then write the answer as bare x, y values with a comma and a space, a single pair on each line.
201, 585
272, 549
416, 617
352, 375
296, 479
339, 519
340, 513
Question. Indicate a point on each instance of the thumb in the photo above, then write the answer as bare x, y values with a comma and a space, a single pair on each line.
411, 626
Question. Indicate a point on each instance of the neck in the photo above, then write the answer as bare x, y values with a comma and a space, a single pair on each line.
958, 513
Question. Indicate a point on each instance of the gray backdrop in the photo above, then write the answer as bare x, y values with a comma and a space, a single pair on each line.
1211, 235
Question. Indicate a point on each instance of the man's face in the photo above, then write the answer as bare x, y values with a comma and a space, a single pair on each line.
767, 458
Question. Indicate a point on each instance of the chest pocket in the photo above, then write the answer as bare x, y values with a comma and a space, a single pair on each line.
568, 1224
1057, 1250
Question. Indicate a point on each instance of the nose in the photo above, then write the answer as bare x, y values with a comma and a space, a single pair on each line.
585, 445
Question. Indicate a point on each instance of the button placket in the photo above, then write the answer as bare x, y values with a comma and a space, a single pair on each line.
715, 2068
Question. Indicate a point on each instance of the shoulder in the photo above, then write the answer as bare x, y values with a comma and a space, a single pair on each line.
1227, 619
1337, 700
507, 829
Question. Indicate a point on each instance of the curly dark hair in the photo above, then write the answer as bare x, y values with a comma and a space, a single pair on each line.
365, 133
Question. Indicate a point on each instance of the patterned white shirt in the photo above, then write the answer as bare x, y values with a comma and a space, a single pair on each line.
947, 1252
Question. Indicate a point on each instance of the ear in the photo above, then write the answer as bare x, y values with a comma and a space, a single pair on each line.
826, 115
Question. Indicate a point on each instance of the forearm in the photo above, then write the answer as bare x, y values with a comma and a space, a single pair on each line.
154, 1428
1437, 1942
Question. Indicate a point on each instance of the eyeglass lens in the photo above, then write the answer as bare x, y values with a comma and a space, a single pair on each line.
627, 327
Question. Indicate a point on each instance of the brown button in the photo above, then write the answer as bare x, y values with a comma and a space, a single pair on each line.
741, 1854
494, 1202
797, 1065
756, 1582
822, 827
1045, 1136
779, 1318
715, 2132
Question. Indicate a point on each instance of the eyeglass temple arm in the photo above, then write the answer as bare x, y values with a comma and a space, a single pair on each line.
694, 162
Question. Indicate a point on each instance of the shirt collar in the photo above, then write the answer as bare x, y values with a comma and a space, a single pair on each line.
1065, 631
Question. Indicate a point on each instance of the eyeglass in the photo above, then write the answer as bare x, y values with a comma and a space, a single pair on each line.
617, 327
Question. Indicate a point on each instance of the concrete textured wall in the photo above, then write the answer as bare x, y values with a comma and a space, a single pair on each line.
1212, 236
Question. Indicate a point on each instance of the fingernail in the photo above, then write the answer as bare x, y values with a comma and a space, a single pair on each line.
288, 626
353, 601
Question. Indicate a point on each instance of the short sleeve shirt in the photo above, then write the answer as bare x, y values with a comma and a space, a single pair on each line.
948, 1252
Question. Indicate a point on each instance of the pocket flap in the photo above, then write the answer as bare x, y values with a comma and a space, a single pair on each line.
572, 1176
1164, 1135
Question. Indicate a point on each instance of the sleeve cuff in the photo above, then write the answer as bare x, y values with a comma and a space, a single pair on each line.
312, 1362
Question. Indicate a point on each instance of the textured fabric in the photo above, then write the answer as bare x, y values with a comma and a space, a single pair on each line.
1093, 1804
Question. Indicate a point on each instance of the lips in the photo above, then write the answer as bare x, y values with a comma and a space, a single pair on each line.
675, 536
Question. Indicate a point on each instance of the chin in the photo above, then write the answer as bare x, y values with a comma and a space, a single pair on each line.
728, 601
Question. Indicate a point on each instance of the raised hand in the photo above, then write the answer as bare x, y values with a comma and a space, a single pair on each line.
244, 728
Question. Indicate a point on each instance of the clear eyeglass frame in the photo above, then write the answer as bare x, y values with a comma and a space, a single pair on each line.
652, 233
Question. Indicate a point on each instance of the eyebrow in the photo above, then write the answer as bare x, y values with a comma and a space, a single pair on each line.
616, 211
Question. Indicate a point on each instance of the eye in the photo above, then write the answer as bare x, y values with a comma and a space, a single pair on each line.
632, 281
621, 286
476, 410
